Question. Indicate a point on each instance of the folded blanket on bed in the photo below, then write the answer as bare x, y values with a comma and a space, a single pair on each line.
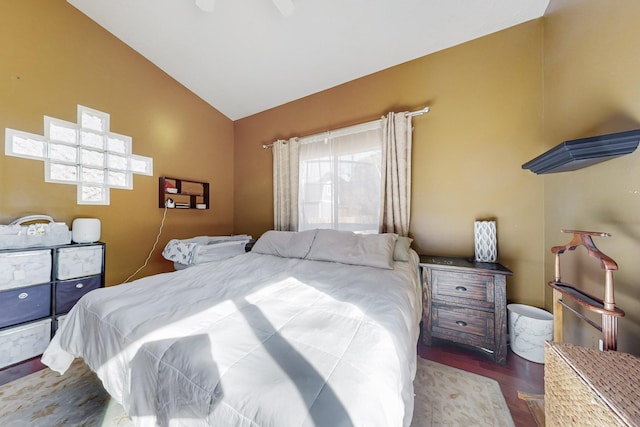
204, 248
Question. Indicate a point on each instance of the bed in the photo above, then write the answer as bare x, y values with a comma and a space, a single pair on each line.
316, 328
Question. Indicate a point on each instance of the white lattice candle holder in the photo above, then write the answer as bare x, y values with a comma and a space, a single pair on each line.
485, 241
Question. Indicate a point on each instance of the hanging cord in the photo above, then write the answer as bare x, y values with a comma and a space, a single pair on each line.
164, 215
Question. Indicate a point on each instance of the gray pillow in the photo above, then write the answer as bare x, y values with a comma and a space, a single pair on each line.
402, 248
373, 250
286, 244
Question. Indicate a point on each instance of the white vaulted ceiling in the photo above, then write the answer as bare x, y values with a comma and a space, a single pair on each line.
246, 56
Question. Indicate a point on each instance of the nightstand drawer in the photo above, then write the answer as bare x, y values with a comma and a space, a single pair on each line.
462, 288
464, 325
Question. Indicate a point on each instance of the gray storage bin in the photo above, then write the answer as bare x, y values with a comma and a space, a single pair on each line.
24, 304
18, 269
79, 262
24, 342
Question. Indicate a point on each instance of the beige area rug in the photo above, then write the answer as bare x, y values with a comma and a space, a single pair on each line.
447, 396
48, 399
444, 397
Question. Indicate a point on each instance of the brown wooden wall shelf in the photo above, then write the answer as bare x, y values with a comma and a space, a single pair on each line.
182, 193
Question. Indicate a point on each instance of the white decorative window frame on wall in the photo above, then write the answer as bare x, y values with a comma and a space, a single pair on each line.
86, 154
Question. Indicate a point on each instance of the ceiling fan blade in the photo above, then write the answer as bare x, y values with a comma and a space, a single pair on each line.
285, 7
206, 5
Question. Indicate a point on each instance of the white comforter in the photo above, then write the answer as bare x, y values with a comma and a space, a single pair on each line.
255, 340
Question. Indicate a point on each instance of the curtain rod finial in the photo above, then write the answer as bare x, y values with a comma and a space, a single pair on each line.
419, 112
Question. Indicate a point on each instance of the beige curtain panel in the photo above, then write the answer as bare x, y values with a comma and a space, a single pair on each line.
285, 184
396, 173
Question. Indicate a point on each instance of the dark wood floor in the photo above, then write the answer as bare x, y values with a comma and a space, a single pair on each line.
517, 375
20, 370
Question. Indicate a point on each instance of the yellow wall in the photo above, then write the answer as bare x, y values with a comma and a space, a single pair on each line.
496, 103
485, 121
52, 59
592, 87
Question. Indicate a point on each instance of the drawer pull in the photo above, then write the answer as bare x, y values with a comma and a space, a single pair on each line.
79, 285
461, 323
23, 295
461, 288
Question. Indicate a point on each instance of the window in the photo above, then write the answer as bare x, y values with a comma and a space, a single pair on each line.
340, 179
85, 154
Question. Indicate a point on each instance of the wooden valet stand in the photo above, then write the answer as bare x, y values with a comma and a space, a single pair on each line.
605, 307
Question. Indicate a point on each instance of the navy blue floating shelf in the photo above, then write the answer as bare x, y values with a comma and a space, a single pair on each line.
580, 153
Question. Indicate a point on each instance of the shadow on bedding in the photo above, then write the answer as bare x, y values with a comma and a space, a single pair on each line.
322, 404
185, 387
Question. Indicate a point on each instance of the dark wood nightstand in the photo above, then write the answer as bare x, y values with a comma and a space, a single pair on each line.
465, 302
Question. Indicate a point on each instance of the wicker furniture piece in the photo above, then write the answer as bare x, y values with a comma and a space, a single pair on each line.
586, 387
